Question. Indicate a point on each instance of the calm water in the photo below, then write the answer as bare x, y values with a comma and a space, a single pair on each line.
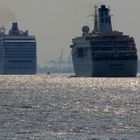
60, 107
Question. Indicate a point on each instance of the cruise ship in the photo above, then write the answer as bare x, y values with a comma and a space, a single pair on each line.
17, 52
104, 52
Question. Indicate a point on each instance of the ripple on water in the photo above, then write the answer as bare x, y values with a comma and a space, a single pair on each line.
63, 107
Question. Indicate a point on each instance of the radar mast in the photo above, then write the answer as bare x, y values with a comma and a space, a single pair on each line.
96, 20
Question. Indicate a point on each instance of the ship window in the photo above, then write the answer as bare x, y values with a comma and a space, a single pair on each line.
102, 14
86, 49
20, 61
106, 20
81, 52
106, 13
102, 20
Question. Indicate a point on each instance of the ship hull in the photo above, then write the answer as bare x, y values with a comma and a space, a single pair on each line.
116, 68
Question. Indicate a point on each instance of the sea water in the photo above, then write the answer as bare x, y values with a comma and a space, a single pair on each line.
62, 107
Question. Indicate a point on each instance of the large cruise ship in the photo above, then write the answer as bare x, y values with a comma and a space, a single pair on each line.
17, 52
104, 52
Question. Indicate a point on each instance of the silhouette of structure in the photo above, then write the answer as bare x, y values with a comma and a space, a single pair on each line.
17, 52
59, 65
104, 52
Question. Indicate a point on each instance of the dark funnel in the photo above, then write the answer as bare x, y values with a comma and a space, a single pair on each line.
14, 30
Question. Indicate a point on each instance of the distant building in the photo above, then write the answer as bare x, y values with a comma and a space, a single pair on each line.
17, 52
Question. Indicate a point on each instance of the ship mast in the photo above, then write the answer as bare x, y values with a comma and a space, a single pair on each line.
96, 20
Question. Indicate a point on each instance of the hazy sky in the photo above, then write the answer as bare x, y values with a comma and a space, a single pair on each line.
56, 22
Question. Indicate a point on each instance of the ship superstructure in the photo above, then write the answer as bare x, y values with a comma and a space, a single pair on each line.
17, 52
104, 52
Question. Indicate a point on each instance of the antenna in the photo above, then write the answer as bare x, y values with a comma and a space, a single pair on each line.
96, 19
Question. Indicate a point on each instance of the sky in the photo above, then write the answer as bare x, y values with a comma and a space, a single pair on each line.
56, 22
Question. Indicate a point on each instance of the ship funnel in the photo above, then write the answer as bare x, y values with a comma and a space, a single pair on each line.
14, 30
15, 26
104, 19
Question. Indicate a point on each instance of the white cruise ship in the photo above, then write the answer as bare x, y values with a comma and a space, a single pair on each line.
104, 52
